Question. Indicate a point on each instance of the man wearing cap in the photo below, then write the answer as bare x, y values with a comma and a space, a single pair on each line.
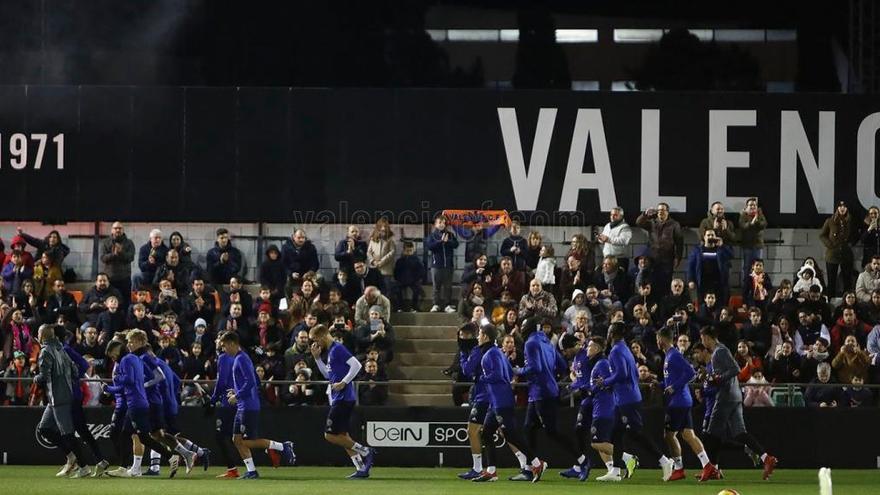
838, 233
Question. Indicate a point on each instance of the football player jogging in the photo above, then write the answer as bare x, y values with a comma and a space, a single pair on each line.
129, 380
226, 414
340, 370
470, 355
497, 375
624, 382
677, 374
120, 427
603, 411
727, 412
244, 396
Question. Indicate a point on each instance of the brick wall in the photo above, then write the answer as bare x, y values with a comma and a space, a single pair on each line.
783, 259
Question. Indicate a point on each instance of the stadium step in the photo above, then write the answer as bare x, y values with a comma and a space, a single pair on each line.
423, 346
426, 319
420, 399
425, 332
402, 359
417, 373
421, 389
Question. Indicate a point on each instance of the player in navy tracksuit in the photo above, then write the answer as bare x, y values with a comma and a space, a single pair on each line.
120, 429
340, 369
244, 395
677, 375
225, 412
603, 413
624, 381
581, 367
543, 363
129, 380
76, 406
497, 375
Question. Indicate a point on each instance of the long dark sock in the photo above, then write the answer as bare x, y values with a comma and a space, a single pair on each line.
150, 443
515, 437
225, 452
713, 447
73, 445
581, 435
86, 436
119, 442
751, 442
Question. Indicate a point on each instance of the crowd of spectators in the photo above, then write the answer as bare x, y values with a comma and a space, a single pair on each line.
781, 332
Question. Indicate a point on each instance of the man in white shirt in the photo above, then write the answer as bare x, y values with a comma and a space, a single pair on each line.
615, 238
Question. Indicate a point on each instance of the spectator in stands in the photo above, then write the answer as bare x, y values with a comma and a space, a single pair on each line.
851, 361
781, 331
169, 353
709, 267
715, 221
508, 279
818, 395
612, 281
25, 299
848, 325
364, 276
237, 293
110, 321
870, 235
46, 272
194, 362
873, 346
681, 323
728, 333
665, 241
409, 275
350, 249
747, 361
19, 246
578, 304
615, 238
513, 350
600, 308
810, 328
166, 300
184, 250
837, 234
371, 298
199, 303
504, 305
299, 349
752, 224
61, 302
856, 395
18, 336
870, 311
573, 276
441, 243
756, 332
267, 332
224, 259
88, 342
756, 393
533, 249
645, 297
273, 274
477, 244
683, 343
265, 298
150, 257
515, 247
381, 252
811, 359
117, 253
336, 306
137, 318
642, 271
537, 302
306, 298
849, 301
180, 271
869, 280
477, 271
546, 270
757, 286
236, 322
582, 249
818, 305
93, 301
15, 272
51, 245
299, 255
784, 366
784, 302
709, 310
376, 331
201, 334
20, 380
369, 393
675, 299
473, 296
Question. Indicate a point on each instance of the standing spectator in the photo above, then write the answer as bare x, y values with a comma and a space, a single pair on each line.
515, 247
299, 255
477, 245
837, 234
507, 279
666, 242
546, 271
409, 275
818, 395
869, 280
709, 267
272, 272
752, 224
15, 272
380, 253
350, 249
851, 361
582, 249
870, 235
442, 243
184, 250
537, 302
715, 221
224, 259
117, 253
848, 325
18, 336
150, 257
615, 238
757, 285
52, 245
533, 249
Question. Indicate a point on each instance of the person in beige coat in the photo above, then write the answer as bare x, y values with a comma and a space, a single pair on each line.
381, 251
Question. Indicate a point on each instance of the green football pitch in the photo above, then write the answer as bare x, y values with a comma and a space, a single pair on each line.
34, 480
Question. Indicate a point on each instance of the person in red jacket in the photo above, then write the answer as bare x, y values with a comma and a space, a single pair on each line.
848, 324
18, 245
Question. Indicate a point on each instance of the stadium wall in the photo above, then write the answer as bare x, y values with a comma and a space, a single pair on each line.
424, 436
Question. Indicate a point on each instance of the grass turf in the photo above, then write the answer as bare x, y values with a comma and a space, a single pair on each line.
423, 481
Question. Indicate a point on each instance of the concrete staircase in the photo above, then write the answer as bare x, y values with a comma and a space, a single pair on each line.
426, 344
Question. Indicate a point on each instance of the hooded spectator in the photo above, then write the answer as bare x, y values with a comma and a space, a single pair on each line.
273, 274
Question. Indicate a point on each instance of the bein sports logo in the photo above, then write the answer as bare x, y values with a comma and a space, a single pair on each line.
419, 434
98, 431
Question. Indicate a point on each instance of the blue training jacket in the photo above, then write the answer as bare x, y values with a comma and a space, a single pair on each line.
497, 375
470, 366
603, 397
624, 379
677, 373
224, 380
543, 362
130, 381
82, 366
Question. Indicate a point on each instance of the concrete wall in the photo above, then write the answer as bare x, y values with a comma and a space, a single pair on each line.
782, 260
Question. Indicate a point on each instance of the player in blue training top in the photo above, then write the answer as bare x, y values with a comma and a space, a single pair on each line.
624, 383
170, 388
497, 375
677, 375
120, 427
244, 396
581, 366
340, 369
225, 412
603, 419
129, 380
